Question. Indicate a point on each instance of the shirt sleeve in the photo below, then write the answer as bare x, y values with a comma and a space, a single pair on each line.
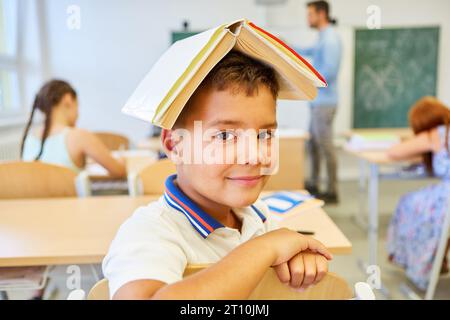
145, 247
307, 51
331, 58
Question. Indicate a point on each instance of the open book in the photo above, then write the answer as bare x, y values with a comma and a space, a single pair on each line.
162, 94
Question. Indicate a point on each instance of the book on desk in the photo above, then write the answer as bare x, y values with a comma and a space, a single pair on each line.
285, 204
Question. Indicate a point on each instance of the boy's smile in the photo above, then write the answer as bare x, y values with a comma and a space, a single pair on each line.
246, 181
237, 127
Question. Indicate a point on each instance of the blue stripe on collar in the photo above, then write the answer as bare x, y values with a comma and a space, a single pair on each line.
259, 213
199, 219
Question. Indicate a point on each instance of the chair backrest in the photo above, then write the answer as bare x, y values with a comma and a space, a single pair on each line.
36, 180
100, 291
150, 180
332, 287
114, 141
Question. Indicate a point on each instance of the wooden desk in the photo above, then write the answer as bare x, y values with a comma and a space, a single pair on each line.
403, 133
379, 157
61, 231
325, 230
135, 160
370, 163
80, 230
373, 161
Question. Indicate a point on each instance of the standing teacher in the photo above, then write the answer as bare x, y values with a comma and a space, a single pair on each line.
326, 55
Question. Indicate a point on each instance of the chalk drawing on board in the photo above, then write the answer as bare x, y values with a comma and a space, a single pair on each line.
393, 69
380, 88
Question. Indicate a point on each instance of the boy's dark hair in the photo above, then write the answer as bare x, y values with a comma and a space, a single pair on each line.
322, 6
236, 72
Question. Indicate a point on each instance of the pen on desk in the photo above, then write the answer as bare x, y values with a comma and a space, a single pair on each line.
306, 233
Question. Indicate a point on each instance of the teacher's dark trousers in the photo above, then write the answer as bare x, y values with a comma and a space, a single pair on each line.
320, 146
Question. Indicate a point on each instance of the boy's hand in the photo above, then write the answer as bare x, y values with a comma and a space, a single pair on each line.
303, 270
286, 244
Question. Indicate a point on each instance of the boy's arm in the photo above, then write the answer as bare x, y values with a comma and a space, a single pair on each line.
235, 276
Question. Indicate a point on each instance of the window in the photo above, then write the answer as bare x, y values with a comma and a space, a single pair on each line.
10, 82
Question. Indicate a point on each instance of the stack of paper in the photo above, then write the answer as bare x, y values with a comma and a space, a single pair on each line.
372, 142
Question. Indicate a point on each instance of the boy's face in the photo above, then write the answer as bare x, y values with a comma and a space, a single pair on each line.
237, 145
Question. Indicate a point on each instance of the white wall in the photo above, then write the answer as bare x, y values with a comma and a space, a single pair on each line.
120, 40
32, 67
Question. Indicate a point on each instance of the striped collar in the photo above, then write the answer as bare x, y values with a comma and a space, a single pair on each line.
200, 220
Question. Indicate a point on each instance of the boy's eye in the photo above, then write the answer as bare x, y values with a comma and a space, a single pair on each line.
225, 136
265, 135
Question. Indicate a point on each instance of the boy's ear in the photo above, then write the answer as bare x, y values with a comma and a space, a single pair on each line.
169, 143
167, 140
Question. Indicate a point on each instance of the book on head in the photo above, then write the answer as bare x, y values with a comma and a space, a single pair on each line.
165, 90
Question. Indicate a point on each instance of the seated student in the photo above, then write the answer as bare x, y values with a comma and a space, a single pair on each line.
415, 229
60, 142
209, 213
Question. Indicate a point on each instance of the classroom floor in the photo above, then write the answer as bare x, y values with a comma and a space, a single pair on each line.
346, 266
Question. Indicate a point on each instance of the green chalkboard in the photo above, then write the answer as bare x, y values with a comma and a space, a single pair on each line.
182, 35
393, 69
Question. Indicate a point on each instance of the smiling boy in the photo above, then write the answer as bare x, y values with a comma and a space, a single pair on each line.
210, 212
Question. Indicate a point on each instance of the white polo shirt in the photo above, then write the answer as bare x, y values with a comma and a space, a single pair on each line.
159, 240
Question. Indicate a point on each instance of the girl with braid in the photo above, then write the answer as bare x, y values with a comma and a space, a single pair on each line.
59, 141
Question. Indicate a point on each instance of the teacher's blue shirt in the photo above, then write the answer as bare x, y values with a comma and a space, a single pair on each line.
326, 55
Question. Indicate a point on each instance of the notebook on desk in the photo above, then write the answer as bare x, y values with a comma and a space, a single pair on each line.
285, 204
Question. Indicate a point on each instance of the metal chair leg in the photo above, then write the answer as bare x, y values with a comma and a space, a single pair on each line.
439, 258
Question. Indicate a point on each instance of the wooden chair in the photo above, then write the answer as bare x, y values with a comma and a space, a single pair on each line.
150, 180
20, 180
331, 287
36, 180
114, 141
100, 291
